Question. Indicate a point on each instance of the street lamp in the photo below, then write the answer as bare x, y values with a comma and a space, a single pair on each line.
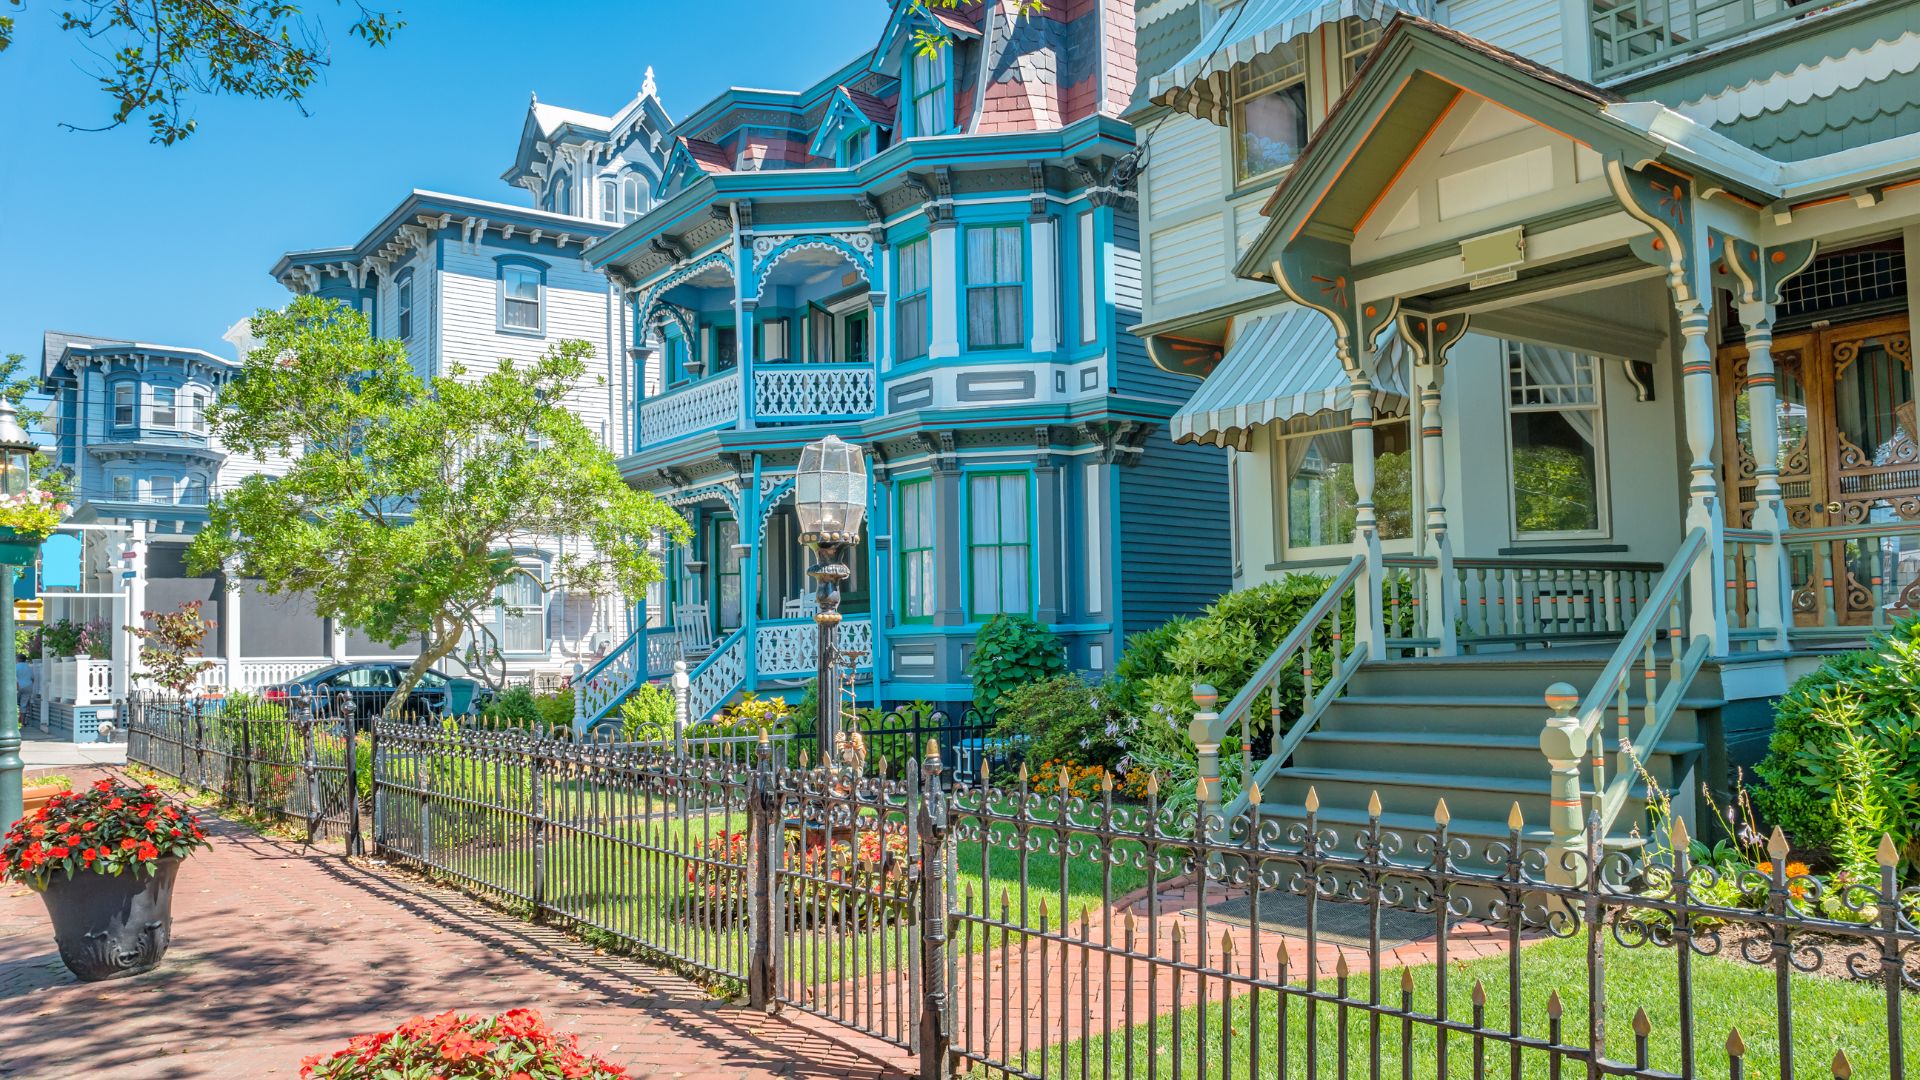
830, 498
16, 550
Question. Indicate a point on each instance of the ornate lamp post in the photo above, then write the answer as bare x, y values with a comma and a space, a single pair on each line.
830, 497
16, 550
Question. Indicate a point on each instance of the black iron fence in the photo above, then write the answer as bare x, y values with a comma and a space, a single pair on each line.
1009, 931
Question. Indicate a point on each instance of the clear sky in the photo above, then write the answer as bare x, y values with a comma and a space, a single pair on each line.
108, 234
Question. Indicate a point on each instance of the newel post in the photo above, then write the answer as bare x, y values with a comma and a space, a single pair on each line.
931, 823
682, 716
1205, 733
1563, 742
579, 697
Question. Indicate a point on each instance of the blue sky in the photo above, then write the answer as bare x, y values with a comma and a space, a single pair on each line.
107, 234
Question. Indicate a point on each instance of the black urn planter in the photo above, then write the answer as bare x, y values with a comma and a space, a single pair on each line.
109, 926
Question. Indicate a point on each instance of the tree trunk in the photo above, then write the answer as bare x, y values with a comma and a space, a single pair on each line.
442, 646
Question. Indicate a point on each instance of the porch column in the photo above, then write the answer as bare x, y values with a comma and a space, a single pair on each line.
1442, 591
1773, 592
230, 631
1369, 626
1708, 599
743, 347
751, 512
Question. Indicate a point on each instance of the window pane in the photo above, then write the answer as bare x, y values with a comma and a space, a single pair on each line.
1013, 509
1555, 486
1270, 130
1320, 488
1013, 579
986, 583
983, 508
980, 256
1011, 318
1009, 244
523, 284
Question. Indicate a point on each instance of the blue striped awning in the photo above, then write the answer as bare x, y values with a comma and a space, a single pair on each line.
1284, 369
1199, 83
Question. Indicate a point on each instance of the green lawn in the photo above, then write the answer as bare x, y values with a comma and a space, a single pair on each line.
1828, 1015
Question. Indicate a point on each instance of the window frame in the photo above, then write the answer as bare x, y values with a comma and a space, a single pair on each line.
996, 286
529, 568
198, 403
131, 391
1238, 98
1029, 545
120, 481
610, 199
1601, 481
635, 193
1288, 551
922, 246
403, 303
942, 64
904, 495
171, 410
520, 264
560, 192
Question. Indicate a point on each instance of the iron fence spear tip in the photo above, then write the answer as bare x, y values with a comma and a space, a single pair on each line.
1406, 980
1842, 1068
1554, 1007
1313, 800
1373, 804
1516, 820
1888, 854
1253, 794
1777, 844
1641, 1025
1479, 993
1736, 1046
1441, 816
1680, 837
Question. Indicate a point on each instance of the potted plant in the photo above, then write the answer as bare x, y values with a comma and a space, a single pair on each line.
40, 790
104, 861
454, 1047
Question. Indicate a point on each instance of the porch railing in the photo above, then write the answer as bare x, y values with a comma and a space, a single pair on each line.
791, 647
814, 392
77, 680
1633, 35
710, 684
1850, 579
598, 689
706, 405
1636, 665
1288, 669
1513, 600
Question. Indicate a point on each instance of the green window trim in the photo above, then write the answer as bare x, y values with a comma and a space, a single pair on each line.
999, 546
916, 606
996, 257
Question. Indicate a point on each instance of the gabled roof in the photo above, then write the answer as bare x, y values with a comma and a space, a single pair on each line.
898, 33
555, 123
432, 203
850, 110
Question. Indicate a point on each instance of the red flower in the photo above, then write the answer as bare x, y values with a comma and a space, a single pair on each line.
58, 852
152, 825
89, 826
146, 850
116, 803
129, 844
88, 856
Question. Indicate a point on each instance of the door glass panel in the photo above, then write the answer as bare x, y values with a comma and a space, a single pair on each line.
727, 558
1873, 402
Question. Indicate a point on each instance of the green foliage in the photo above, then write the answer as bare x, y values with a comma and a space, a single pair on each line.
752, 713
68, 638
1553, 490
401, 513
1143, 659
1012, 651
929, 42
1844, 762
152, 58
521, 707
26, 642
1061, 719
647, 714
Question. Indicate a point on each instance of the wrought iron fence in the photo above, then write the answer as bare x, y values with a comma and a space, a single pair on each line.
1036, 931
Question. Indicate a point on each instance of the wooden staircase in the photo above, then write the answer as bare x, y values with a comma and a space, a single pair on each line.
1467, 729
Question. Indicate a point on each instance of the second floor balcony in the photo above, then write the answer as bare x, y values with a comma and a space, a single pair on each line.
1631, 37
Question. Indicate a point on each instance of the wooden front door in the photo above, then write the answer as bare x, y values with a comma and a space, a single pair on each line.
1848, 453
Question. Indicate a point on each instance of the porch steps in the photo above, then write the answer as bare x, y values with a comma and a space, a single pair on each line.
1467, 729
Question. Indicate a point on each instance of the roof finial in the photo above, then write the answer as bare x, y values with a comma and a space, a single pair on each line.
535, 95
646, 84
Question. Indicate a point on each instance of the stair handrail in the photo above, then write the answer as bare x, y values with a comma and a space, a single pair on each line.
1662, 610
730, 652
1296, 643
590, 704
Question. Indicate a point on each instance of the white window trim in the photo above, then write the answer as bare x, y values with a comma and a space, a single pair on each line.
132, 391
1601, 481
532, 568
500, 295
1235, 99
172, 408
1282, 504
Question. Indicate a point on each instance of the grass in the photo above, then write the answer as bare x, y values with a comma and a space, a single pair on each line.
1829, 1015
59, 780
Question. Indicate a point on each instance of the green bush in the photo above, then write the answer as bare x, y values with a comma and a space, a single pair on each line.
1844, 761
1061, 719
1011, 651
647, 714
1144, 657
520, 707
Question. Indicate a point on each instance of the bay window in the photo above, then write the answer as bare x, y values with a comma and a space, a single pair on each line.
996, 295
910, 313
164, 398
916, 550
125, 396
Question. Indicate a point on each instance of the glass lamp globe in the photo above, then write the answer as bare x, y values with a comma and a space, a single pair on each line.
17, 451
830, 488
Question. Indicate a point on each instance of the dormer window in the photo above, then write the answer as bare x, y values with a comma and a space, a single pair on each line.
853, 148
633, 197
932, 101
560, 193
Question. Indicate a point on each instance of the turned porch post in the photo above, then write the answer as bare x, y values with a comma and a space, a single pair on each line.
1707, 608
1430, 341
1772, 589
1370, 627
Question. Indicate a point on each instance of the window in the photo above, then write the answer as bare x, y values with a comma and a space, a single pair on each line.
521, 289
560, 193
633, 197
910, 310
163, 406
774, 339
1554, 426
916, 550
932, 105
996, 257
405, 304
676, 358
1269, 121
199, 418
1089, 283
856, 334
523, 613
998, 550
609, 199
726, 348
160, 489
195, 493
1320, 494
853, 149
727, 555
1357, 39
123, 488
123, 404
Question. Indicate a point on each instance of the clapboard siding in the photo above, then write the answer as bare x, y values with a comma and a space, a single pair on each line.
1174, 547
576, 307
1188, 258
1135, 371
1185, 170
1528, 27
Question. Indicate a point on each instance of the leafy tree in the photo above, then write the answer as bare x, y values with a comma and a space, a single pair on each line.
171, 646
400, 514
930, 42
155, 55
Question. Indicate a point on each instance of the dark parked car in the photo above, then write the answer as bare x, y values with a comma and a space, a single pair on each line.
362, 690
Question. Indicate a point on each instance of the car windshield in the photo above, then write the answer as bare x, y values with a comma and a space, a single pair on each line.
318, 674
431, 680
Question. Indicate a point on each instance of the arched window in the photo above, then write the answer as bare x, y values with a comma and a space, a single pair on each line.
560, 193
633, 196
610, 199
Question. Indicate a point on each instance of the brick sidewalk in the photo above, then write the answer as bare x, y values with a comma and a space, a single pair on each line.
280, 952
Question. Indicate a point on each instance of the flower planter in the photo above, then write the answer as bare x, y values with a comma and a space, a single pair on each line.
112, 925
36, 797
18, 548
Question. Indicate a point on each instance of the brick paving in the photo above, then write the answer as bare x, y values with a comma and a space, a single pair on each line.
280, 952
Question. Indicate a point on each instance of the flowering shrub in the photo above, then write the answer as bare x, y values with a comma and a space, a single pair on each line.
863, 880
34, 513
69, 638
1084, 781
516, 1045
108, 829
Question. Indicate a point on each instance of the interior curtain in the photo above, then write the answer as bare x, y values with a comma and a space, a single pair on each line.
1559, 367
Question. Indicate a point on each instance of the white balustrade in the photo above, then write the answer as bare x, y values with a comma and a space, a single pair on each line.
710, 404
814, 392
663, 648
717, 677
78, 680
601, 687
792, 648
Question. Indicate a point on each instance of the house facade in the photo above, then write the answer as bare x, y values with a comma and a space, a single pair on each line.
464, 283
1561, 336
933, 255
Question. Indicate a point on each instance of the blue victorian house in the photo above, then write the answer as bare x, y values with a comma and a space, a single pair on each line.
936, 257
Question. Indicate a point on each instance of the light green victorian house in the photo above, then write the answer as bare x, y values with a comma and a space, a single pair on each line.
1579, 355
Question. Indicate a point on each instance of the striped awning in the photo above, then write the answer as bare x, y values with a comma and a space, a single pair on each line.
1200, 82
1284, 368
